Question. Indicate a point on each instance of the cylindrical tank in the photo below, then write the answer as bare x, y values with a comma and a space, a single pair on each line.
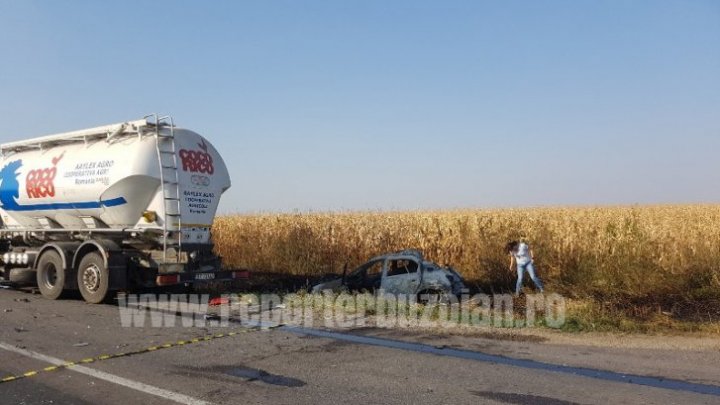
112, 181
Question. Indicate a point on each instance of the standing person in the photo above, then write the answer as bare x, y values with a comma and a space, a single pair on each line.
522, 256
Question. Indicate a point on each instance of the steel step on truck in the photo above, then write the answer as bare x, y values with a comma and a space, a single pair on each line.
116, 207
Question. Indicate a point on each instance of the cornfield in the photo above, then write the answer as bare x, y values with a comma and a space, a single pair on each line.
640, 255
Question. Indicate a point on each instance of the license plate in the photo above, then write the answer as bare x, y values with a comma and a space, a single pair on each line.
205, 276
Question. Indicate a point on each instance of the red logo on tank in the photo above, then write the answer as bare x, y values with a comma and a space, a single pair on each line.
197, 161
40, 183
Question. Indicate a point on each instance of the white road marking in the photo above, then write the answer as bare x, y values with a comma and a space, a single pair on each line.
138, 386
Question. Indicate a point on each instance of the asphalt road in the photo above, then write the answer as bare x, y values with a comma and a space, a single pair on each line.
286, 367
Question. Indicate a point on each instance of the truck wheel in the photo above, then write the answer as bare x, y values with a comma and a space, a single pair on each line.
93, 278
50, 275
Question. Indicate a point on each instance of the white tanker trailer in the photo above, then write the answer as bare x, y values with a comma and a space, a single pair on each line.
111, 208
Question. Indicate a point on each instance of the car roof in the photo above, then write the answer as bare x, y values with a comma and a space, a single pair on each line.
402, 254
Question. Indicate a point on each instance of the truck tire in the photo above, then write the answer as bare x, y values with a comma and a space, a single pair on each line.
93, 278
50, 275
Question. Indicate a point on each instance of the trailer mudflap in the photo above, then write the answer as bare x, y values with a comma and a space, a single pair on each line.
118, 270
118, 277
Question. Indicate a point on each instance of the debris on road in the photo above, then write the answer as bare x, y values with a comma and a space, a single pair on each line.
253, 374
219, 301
81, 344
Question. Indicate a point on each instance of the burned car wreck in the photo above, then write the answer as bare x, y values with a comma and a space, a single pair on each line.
404, 272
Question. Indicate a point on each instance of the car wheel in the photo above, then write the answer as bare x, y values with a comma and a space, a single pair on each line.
432, 297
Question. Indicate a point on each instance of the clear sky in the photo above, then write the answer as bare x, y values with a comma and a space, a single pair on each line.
319, 105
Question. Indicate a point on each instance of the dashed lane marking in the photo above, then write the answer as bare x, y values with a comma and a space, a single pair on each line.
112, 378
103, 357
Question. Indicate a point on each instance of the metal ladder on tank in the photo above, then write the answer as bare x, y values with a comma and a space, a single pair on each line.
169, 185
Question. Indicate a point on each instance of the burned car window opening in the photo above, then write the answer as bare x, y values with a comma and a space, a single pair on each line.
401, 266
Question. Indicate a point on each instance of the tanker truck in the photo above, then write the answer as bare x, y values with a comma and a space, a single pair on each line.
111, 208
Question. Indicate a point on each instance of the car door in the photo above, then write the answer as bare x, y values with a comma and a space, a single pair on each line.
365, 277
401, 275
